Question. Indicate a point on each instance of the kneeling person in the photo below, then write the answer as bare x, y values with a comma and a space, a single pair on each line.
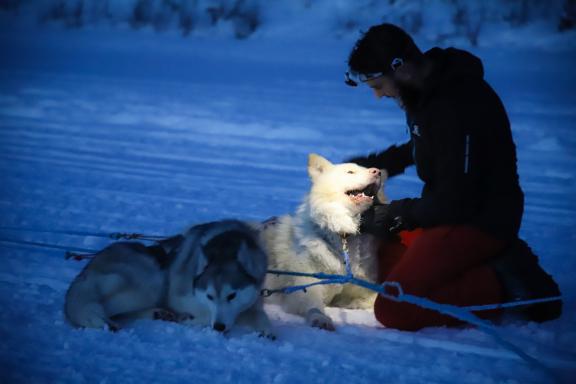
468, 251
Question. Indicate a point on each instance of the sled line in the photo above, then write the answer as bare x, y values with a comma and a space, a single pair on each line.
109, 235
14, 242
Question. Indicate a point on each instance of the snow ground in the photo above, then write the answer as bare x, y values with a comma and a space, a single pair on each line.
150, 133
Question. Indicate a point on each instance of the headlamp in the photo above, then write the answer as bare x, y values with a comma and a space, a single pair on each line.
352, 78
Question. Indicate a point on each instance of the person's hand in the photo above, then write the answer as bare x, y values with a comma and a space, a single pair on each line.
381, 220
360, 160
368, 161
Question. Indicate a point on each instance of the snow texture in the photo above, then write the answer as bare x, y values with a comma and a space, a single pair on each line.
106, 129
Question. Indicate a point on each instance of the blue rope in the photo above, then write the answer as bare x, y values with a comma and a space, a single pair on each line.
511, 304
349, 277
319, 275
463, 314
456, 312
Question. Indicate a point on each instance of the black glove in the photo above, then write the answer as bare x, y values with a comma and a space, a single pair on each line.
383, 219
369, 161
363, 161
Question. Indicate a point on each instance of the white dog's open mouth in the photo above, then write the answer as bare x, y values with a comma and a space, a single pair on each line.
362, 195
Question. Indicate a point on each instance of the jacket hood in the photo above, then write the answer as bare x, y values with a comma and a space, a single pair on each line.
455, 63
450, 65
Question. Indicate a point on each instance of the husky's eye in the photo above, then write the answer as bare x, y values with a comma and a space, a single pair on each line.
209, 297
231, 296
351, 172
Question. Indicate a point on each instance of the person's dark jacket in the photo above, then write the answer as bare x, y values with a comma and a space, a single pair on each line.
461, 144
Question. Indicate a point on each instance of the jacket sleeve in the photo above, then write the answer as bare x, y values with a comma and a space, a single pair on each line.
394, 160
451, 196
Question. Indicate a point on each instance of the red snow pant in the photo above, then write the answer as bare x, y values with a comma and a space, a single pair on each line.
446, 264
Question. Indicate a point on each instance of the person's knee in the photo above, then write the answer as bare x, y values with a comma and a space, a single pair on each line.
395, 315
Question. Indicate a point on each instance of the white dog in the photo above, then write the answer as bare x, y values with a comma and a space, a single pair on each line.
312, 240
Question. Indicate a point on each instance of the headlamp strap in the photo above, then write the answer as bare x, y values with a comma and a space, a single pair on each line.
396, 63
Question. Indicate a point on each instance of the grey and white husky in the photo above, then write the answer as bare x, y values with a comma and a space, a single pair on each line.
312, 240
210, 275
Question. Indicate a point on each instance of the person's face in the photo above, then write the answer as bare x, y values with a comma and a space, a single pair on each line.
383, 86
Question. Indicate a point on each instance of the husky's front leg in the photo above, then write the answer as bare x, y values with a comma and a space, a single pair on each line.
165, 314
255, 318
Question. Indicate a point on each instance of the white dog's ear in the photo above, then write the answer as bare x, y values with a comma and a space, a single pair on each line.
317, 165
383, 175
253, 260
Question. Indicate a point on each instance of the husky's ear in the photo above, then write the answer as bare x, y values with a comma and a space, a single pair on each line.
187, 262
253, 260
191, 257
381, 198
198, 263
171, 245
317, 165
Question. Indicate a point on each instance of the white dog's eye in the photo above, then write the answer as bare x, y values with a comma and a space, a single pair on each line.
351, 172
209, 297
231, 296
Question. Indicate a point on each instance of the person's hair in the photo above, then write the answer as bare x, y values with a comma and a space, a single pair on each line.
377, 48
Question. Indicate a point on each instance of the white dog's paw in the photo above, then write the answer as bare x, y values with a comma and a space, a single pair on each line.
317, 319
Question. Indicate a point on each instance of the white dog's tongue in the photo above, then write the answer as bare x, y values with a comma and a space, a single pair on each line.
361, 197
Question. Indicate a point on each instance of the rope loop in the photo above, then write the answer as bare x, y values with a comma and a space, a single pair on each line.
395, 285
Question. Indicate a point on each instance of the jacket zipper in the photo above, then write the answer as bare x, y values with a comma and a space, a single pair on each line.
467, 155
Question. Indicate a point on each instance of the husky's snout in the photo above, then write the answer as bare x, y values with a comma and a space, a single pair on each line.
220, 327
231, 267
